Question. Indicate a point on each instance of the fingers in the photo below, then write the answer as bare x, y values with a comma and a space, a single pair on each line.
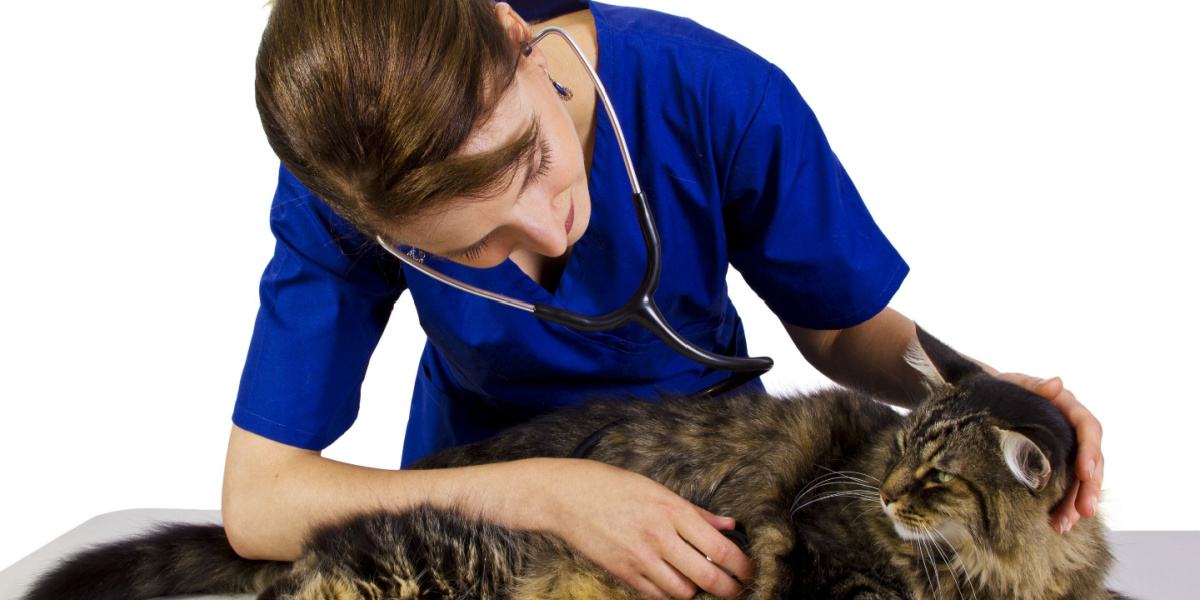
1089, 496
721, 551
709, 558
1089, 461
702, 572
717, 521
669, 582
646, 588
1084, 496
1046, 388
1064, 516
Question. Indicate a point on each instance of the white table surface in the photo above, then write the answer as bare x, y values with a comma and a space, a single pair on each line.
1151, 565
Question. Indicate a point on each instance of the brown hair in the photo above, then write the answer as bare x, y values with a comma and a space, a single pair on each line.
366, 102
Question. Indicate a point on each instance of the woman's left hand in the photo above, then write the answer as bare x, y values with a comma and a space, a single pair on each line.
1082, 498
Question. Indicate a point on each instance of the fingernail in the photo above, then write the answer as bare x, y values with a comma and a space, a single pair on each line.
1092, 505
1039, 383
1092, 469
1064, 525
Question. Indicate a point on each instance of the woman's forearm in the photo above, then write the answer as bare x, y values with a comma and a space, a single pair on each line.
271, 505
867, 357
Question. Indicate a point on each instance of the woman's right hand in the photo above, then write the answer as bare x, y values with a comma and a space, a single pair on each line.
637, 529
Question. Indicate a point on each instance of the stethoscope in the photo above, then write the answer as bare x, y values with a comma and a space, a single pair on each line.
641, 307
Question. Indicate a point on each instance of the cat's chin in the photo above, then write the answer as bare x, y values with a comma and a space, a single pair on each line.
945, 532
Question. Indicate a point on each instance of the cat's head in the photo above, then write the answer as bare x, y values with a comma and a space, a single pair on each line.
980, 458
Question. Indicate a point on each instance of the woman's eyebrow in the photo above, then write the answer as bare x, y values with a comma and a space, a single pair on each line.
528, 160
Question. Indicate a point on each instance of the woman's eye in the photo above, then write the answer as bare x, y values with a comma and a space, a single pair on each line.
544, 168
942, 476
474, 251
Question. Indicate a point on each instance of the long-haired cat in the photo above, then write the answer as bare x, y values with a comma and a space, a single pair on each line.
836, 496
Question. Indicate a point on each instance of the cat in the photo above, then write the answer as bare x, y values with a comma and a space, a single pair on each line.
835, 495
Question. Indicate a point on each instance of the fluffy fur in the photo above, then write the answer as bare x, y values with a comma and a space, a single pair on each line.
836, 496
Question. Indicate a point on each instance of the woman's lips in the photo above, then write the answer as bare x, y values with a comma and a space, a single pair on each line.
570, 219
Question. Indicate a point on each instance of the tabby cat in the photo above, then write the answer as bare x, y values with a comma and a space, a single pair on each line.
835, 495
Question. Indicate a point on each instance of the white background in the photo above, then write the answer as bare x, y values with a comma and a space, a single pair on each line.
1036, 163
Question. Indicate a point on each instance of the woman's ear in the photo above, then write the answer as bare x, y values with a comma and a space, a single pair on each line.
518, 31
513, 24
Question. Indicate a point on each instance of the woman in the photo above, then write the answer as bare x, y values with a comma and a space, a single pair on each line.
429, 125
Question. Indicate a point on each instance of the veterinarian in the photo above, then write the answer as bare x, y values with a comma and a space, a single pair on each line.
434, 126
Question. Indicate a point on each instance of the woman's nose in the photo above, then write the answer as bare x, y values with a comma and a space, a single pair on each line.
541, 221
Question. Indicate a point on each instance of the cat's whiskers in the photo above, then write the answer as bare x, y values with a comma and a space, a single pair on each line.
871, 507
867, 500
959, 563
932, 565
832, 478
921, 557
839, 476
847, 471
938, 547
850, 484
797, 503
853, 493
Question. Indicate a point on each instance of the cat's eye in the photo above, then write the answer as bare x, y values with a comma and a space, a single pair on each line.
942, 476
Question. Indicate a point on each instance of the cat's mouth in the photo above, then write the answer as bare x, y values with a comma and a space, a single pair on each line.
911, 530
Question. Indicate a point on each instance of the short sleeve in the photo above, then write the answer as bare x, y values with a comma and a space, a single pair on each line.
325, 298
796, 227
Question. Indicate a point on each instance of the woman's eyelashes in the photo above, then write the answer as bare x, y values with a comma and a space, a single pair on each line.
543, 169
474, 251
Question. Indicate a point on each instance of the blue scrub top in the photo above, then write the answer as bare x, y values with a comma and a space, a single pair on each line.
737, 171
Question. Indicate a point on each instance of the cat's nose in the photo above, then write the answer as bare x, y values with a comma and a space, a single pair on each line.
884, 498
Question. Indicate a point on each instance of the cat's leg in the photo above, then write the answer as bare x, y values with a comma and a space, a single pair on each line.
770, 543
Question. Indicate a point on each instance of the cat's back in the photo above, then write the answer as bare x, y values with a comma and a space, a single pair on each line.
674, 436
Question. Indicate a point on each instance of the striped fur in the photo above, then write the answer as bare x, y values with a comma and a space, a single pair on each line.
804, 475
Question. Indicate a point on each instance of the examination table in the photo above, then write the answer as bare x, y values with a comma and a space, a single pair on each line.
1151, 565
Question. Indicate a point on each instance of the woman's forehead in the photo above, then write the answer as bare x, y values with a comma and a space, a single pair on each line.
458, 221
511, 116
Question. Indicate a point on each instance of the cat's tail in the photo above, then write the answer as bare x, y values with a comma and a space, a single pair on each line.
173, 559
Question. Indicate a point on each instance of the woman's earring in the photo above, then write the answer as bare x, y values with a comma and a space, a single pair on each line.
564, 92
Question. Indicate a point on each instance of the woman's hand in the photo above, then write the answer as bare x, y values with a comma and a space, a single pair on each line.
640, 531
1082, 498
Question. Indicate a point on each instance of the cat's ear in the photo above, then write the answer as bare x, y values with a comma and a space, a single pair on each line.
1026, 461
939, 363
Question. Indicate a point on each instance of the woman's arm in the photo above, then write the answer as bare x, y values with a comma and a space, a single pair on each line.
870, 357
631, 526
867, 357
